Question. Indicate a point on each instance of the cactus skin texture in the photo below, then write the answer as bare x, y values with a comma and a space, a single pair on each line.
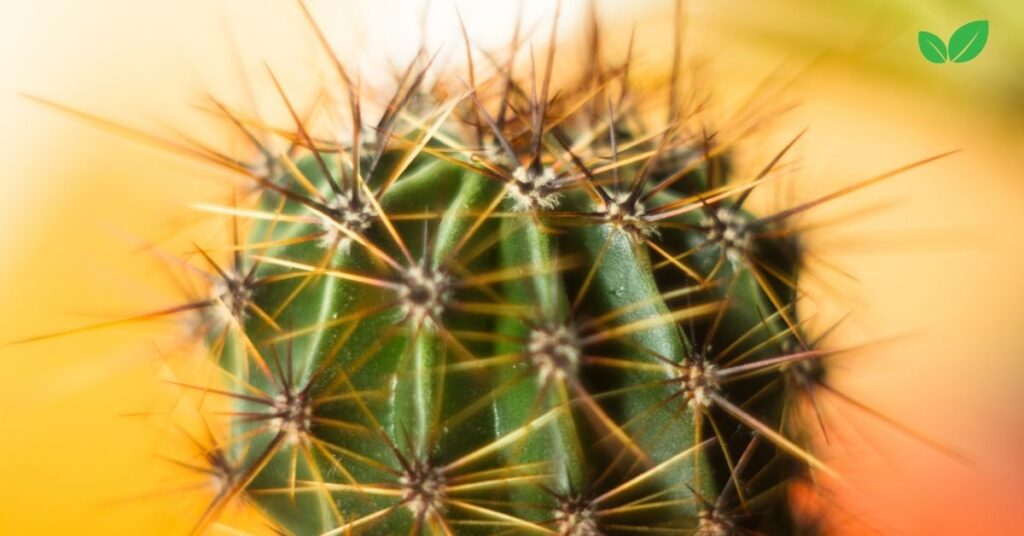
500, 312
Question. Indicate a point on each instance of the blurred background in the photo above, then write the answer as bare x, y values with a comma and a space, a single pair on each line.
933, 256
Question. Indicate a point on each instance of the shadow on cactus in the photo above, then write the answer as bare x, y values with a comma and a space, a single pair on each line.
504, 309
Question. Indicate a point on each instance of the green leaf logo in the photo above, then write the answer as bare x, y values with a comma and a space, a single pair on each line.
968, 41
932, 47
965, 44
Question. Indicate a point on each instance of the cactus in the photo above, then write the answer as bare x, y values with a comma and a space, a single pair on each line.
504, 310
511, 313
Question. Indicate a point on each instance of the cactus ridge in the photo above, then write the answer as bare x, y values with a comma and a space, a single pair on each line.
505, 309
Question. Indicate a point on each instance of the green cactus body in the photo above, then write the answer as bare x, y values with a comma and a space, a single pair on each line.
470, 367
480, 329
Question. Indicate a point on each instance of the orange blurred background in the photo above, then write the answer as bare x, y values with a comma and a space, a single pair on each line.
86, 439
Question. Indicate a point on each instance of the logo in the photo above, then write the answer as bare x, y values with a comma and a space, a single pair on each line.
964, 45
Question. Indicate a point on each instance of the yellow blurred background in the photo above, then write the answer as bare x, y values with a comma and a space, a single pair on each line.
85, 439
